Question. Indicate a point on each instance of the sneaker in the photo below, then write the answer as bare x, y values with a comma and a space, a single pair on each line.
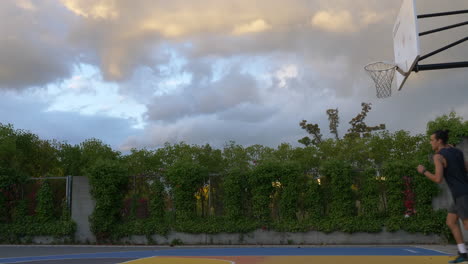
460, 259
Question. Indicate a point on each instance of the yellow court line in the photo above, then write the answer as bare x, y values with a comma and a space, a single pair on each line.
179, 260
298, 260
358, 260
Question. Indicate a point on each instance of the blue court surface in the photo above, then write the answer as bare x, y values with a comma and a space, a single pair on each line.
249, 255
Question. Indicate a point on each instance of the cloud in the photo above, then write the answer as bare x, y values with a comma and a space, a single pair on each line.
96, 9
343, 21
340, 21
120, 36
248, 113
210, 130
34, 51
372, 17
26, 4
256, 26
204, 97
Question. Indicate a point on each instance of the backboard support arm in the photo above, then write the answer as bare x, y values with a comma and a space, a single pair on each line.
443, 28
443, 14
448, 65
440, 66
443, 48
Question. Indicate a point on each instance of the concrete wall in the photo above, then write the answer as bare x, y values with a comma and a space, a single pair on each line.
464, 147
82, 207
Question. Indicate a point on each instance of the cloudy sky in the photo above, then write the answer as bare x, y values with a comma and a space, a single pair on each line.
144, 72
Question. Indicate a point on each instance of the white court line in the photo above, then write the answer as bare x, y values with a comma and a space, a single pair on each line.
435, 250
412, 251
128, 261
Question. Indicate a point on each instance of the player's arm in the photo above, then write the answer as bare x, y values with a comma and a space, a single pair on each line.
438, 176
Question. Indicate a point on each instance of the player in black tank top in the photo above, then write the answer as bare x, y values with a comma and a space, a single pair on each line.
451, 166
455, 172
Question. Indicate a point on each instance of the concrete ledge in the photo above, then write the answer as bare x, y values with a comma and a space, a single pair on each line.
44, 240
262, 237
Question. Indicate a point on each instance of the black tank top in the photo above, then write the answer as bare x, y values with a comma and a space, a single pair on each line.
455, 173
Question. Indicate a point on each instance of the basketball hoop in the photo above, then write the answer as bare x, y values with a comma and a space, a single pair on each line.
382, 73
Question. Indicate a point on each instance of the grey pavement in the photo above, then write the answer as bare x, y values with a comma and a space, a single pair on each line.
9, 251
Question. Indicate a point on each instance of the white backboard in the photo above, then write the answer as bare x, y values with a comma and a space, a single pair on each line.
406, 41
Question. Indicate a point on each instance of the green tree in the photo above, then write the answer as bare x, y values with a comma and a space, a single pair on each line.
8, 147
71, 159
142, 162
359, 128
210, 158
94, 150
171, 154
314, 131
452, 122
284, 152
235, 156
334, 120
259, 153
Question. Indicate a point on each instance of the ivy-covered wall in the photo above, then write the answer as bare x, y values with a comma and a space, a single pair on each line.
30, 208
277, 196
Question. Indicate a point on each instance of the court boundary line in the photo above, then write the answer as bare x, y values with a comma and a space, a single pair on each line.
128, 261
197, 257
435, 250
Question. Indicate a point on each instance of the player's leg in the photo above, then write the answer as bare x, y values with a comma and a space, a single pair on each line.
453, 223
454, 226
462, 210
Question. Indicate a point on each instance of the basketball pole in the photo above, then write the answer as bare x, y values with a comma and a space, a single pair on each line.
440, 66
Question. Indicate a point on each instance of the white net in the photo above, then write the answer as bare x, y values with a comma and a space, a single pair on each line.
382, 73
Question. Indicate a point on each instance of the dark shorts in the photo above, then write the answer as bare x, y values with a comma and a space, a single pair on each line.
460, 207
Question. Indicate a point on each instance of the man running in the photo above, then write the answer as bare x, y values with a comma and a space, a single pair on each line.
450, 164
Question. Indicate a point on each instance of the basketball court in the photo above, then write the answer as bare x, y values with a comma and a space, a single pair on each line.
232, 255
